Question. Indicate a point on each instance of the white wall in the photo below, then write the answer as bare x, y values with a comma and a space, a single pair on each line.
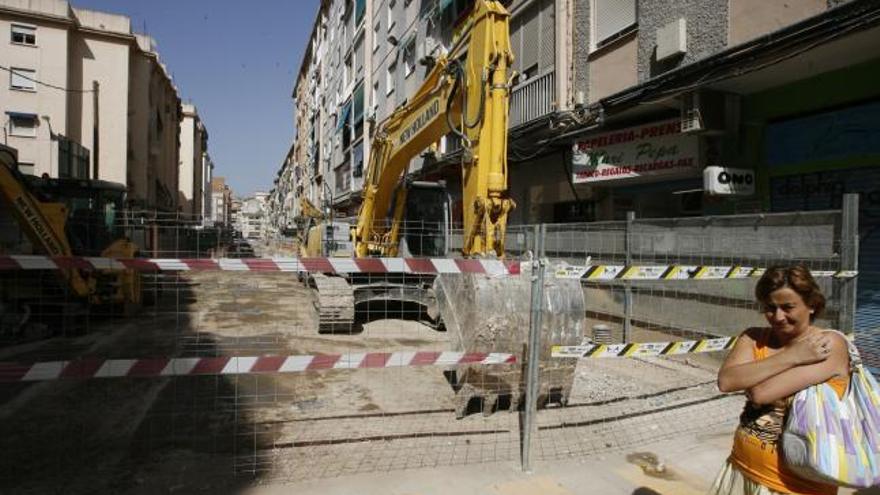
186, 171
49, 59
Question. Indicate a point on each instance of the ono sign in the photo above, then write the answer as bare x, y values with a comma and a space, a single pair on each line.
728, 181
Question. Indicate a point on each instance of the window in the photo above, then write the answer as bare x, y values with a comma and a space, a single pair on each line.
376, 29
357, 159
389, 77
26, 168
22, 79
610, 19
359, 9
346, 76
24, 35
376, 99
358, 111
533, 39
22, 124
409, 56
391, 19
344, 125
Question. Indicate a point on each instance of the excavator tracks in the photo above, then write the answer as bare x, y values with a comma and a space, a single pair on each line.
335, 303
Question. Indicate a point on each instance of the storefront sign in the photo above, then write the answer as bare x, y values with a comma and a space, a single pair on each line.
729, 181
651, 150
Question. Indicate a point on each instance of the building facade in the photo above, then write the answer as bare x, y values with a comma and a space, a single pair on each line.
366, 57
88, 98
221, 202
153, 130
193, 157
251, 217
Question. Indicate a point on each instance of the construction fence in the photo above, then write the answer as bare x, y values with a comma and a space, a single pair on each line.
587, 339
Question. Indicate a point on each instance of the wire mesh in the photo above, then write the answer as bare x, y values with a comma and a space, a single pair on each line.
220, 430
152, 433
626, 403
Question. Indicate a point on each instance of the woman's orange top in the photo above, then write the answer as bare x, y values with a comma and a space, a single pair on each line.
756, 449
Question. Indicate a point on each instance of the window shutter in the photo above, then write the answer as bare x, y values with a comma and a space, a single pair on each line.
530, 37
611, 17
22, 78
548, 36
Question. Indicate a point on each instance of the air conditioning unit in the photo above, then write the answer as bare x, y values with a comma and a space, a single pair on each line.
703, 111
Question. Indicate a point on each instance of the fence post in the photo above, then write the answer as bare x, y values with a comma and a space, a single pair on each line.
627, 287
154, 228
849, 260
532, 375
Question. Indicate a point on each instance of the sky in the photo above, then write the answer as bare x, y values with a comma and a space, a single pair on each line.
237, 62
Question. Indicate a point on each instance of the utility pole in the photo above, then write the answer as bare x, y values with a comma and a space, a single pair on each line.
95, 134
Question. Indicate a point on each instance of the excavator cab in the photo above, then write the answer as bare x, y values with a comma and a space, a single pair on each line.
426, 221
69, 217
92, 207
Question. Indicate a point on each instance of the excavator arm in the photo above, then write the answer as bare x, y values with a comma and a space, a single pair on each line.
309, 210
466, 93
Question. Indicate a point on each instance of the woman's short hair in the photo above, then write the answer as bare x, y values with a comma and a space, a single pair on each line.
797, 278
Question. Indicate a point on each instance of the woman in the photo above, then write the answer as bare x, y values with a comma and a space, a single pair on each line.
771, 364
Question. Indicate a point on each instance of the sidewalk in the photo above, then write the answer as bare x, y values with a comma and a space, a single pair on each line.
690, 465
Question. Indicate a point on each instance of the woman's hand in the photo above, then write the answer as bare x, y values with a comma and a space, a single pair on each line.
811, 349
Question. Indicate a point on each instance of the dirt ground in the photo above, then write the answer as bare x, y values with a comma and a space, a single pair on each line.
228, 434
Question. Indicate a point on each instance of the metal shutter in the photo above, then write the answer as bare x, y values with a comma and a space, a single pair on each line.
548, 36
611, 17
22, 78
530, 37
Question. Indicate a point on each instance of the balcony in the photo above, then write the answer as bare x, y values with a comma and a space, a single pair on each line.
533, 98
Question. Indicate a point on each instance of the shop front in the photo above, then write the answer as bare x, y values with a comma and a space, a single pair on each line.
843, 139
652, 169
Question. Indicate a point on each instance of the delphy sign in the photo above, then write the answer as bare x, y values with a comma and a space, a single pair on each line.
729, 181
649, 150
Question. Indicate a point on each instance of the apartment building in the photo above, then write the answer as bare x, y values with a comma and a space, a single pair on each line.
193, 159
221, 201
86, 97
251, 218
207, 179
154, 116
366, 57
282, 207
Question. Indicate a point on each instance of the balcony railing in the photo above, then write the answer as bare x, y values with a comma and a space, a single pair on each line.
532, 99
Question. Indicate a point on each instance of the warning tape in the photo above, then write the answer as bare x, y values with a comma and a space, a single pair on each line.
675, 272
305, 265
391, 265
253, 365
643, 349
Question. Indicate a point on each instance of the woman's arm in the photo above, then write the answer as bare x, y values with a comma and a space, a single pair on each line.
740, 371
802, 376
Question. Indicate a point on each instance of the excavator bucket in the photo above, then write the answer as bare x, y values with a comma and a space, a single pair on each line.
488, 314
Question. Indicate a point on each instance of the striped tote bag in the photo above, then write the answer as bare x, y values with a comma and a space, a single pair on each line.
836, 440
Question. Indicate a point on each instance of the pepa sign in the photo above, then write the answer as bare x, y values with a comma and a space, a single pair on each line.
729, 181
650, 150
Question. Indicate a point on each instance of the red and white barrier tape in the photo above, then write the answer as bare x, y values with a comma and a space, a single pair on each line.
312, 265
252, 365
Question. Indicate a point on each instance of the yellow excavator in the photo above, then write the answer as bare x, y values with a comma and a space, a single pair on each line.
70, 217
465, 93
318, 234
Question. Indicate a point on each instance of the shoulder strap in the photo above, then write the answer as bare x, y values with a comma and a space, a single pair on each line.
855, 359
